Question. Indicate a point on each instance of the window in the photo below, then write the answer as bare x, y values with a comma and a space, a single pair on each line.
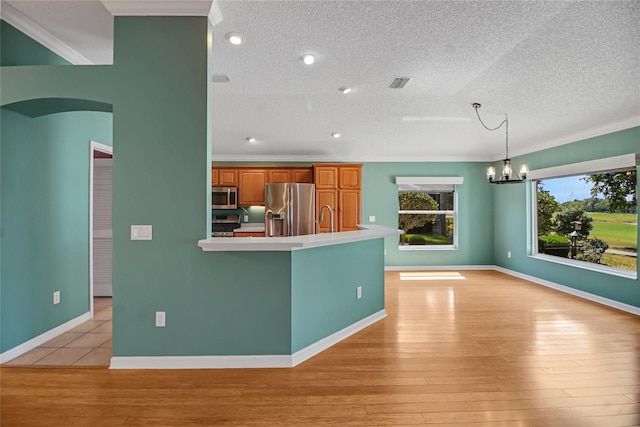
427, 212
588, 217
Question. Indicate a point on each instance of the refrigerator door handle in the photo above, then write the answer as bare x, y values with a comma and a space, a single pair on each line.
290, 211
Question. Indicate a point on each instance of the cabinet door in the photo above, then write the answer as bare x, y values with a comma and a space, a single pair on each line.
327, 197
279, 175
302, 175
251, 187
350, 177
227, 177
214, 177
326, 176
350, 215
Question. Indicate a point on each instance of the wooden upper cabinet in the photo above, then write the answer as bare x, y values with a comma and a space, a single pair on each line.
325, 176
302, 175
251, 187
350, 177
224, 177
214, 177
279, 175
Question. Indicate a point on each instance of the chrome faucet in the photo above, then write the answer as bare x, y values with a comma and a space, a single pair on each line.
330, 216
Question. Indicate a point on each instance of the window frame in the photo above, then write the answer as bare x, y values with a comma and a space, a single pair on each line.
432, 181
609, 164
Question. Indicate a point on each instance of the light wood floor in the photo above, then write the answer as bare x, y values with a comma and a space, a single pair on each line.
490, 350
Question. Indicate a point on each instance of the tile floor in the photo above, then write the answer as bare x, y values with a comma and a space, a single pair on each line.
88, 344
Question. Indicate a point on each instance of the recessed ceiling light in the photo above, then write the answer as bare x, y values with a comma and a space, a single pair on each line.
345, 90
252, 139
308, 59
336, 135
234, 38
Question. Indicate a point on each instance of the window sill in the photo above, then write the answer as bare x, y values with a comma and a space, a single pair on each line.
427, 248
627, 274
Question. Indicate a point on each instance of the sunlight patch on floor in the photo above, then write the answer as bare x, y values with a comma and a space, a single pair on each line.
428, 275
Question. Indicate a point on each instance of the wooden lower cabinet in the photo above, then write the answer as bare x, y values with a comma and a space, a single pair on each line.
327, 197
248, 234
349, 212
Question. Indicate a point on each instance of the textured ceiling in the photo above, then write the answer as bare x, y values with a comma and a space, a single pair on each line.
562, 70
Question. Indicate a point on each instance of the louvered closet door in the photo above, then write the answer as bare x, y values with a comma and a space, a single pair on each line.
102, 228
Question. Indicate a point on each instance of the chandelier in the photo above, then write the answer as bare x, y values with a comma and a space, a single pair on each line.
508, 175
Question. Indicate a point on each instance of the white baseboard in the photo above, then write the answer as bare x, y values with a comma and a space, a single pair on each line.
575, 292
258, 361
43, 338
438, 267
319, 346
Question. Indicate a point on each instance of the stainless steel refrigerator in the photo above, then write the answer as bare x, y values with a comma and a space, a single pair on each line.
289, 209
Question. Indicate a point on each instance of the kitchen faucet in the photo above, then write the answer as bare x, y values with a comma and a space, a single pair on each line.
330, 216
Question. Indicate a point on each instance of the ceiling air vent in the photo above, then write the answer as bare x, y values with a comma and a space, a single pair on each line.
220, 78
399, 82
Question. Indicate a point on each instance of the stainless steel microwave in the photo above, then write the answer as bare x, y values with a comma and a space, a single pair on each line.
224, 197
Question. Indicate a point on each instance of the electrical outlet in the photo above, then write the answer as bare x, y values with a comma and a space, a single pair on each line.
508, 254
141, 232
160, 319
372, 218
56, 297
359, 292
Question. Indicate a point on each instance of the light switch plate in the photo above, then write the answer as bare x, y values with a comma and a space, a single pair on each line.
141, 232
56, 297
161, 319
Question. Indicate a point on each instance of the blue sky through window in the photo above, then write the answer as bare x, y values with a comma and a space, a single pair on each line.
569, 188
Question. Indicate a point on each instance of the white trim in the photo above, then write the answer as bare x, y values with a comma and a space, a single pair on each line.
575, 292
34, 30
430, 180
43, 338
158, 8
579, 136
257, 361
353, 158
320, 346
427, 248
199, 362
599, 268
438, 267
93, 147
590, 166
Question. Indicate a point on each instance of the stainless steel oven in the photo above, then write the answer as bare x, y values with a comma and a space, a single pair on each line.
224, 198
223, 225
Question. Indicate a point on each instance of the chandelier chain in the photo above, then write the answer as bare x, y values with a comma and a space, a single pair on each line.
504, 122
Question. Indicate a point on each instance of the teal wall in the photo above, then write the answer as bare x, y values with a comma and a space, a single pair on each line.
214, 304
475, 223
18, 49
45, 219
323, 289
512, 219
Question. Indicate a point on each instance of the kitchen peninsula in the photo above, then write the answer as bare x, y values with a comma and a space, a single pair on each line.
331, 285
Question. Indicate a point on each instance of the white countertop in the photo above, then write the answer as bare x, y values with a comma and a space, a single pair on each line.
251, 227
253, 244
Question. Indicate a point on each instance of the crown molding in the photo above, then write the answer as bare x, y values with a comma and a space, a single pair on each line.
340, 159
158, 7
34, 30
580, 136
